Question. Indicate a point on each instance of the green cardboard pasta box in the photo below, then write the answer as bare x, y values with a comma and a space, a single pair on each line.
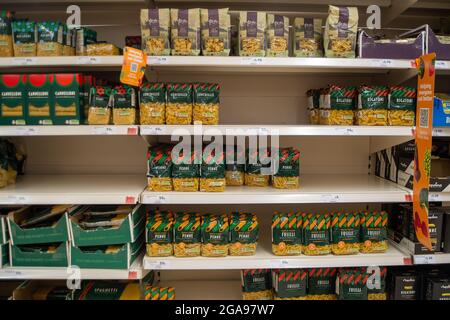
83, 221
68, 91
49, 255
39, 224
40, 102
12, 99
107, 257
4, 254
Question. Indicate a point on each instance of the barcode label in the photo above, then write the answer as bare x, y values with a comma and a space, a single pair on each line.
424, 115
134, 67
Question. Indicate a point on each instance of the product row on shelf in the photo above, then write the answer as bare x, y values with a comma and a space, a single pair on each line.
360, 283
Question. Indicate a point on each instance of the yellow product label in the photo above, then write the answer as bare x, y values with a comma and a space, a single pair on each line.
12, 111
61, 111
132, 292
39, 111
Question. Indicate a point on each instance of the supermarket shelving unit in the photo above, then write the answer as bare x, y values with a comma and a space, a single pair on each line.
106, 164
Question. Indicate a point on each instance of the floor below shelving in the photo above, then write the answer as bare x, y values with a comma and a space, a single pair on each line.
205, 289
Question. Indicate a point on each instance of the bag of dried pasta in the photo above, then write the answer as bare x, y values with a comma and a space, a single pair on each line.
99, 112
159, 293
322, 284
179, 103
185, 172
313, 105
234, 165
215, 28
124, 105
351, 284
50, 39
376, 285
159, 168
338, 105
287, 176
345, 233
258, 161
287, 237
316, 233
102, 49
212, 171
206, 103
215, 235
252, 33
373, 104
340, 32
187, 235
374, 232
308, 41
277, 36
256, 284
159, 234
6, 40
290, 284
152, 103
155, 31
244, 228
24, 37
402, 106
185, 32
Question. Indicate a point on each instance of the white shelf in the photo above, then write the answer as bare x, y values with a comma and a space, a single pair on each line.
74, 189
59, 273
437, 258
313, 189
282, 130
265, 259
205, 289
72, 61
69, 130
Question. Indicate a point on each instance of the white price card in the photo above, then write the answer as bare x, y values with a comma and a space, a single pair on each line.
24, 61
25, 131
442, 64
157, 60
434, 196
156, 264
345, 131
264, 131
16, 199
103, 130
424, 259
11, 274
153, 130
252, 60
329, 198
88, 60
279, 263
386, 63
155, 199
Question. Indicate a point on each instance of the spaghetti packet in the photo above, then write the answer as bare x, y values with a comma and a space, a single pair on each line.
287, 235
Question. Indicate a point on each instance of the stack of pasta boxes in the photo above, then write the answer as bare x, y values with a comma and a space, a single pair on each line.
43, 99
193, 234
106, 237
341, 233
364, 105
211, 170
314, 284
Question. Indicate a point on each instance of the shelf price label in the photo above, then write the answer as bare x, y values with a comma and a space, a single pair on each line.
14, 199
88, 60
434, 196
157, 60
252, 60
384, 63
442, 64
153, 130
345, 131
25, 131
155, 199
329, 198
24, 61
425, 259
105, 130
156, 264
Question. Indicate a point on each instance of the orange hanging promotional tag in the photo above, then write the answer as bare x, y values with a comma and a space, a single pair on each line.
423, 140
133, 67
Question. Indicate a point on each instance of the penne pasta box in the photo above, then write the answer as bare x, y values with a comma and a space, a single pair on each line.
107, 256
39, 224
106, 225
46, 255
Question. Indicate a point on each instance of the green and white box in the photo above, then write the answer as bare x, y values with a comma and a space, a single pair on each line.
53, 255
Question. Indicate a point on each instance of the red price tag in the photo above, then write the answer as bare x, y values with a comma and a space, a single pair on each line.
132, 275
130, 200
132, 131
408, 198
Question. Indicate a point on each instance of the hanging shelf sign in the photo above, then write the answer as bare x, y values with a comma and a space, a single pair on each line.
423, 136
